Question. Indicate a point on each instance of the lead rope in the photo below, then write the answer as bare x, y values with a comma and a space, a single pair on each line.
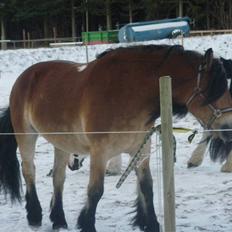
136, 158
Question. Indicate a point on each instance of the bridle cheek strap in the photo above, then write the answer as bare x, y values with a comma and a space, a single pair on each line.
197, 90
217, 113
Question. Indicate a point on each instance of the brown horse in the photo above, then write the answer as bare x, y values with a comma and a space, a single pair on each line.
218, 149
85, 105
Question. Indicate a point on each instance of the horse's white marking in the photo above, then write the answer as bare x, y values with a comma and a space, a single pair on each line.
82, 67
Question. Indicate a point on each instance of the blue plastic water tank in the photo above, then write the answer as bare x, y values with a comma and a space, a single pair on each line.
154, 30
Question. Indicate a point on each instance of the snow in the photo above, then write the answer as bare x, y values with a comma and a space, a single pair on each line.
203, 194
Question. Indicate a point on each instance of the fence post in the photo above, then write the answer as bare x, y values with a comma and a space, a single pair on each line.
29, 39
54, 34
87, 52
167, 154
3, 35
24, 38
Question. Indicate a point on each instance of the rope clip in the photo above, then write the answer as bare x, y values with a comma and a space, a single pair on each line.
191, 137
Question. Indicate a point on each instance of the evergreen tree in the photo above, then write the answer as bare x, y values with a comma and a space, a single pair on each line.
39, 16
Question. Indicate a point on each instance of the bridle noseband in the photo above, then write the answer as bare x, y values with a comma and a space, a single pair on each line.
216, 113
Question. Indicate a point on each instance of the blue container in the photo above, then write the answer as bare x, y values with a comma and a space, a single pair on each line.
154, 30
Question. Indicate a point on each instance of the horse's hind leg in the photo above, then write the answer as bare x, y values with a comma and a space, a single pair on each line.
26, 145
86, 220
57, 213
145, 217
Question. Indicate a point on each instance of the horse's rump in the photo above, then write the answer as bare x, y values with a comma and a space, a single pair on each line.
46, 99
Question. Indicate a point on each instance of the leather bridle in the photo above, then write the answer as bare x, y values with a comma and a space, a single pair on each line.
216, 113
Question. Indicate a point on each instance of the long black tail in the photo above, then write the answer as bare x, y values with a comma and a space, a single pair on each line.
10, 179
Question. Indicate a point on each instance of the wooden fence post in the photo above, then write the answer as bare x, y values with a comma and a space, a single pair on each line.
167, 154
87, 52
29, 39
54, 34
24, 38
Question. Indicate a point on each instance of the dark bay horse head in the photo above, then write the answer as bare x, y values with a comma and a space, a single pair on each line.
102, 109
218, 148
217, 86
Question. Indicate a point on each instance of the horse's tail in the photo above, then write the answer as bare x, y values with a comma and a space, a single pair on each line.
10, 179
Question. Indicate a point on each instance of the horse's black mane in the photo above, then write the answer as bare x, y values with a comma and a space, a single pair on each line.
217, 84
145, 48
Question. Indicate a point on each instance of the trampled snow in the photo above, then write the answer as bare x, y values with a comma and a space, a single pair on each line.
203, 194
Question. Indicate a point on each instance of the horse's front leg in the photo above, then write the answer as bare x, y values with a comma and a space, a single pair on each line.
86, 220
198, 154
57, 213
227, 166
145, 217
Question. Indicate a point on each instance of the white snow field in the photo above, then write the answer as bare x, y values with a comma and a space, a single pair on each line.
203, 194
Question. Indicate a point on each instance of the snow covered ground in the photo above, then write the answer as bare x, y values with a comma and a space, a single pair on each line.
203, 194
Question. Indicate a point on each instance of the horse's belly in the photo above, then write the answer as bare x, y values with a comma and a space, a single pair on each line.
69, 143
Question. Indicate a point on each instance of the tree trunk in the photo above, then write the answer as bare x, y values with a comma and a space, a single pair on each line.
180, 8
3, 34
74, 34
86, 17
230, 15
108, 15
130, 11
46, 33
207, 15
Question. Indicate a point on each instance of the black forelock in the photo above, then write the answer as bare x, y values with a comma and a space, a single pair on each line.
217, 83
227, 63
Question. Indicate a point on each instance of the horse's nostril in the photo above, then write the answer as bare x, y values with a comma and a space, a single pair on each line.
226, 133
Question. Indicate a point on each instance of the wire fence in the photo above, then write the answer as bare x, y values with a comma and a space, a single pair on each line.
175, 130
37, 43
74, 41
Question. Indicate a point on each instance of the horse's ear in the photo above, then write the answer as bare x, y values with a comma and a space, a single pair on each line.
208, 58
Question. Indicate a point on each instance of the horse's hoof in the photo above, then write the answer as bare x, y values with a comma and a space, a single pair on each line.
84, 230
57, 226
35, 224
192, 165
35, 221
59, 223
155, 228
